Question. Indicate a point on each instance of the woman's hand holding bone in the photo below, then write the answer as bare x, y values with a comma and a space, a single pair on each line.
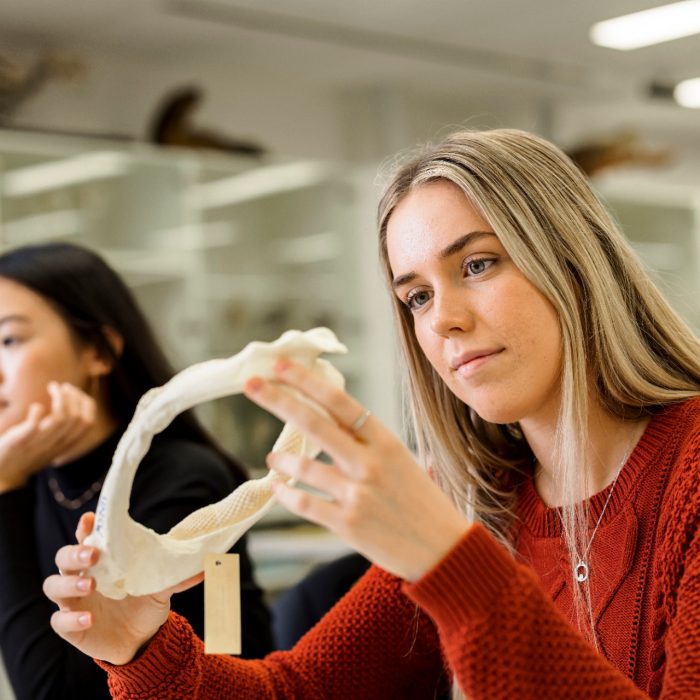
107, 629
381, 502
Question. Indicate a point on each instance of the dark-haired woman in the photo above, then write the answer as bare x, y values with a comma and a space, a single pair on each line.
76, 354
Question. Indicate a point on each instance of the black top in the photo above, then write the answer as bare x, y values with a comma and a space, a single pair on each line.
175, 478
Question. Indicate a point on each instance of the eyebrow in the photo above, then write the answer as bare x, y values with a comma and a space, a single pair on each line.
14, 317
450, 250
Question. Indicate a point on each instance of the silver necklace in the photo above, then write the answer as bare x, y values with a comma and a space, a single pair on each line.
581, 569
73, 503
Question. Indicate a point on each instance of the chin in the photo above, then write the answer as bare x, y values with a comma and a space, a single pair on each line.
498, 417
501, 413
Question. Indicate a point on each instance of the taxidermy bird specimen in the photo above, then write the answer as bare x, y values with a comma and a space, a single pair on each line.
623, 149
173, 126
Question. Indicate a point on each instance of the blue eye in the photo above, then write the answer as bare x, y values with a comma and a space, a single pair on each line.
417, 299
479, 266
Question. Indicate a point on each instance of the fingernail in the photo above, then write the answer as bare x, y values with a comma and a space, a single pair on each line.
83, 584
85, 555
281, 364
84, 620
253, 384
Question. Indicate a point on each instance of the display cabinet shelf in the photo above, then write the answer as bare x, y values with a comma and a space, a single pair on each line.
662, 223
219, 252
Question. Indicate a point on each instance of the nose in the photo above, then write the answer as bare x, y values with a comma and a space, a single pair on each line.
451, 313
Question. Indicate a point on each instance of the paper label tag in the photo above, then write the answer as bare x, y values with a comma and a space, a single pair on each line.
222, 604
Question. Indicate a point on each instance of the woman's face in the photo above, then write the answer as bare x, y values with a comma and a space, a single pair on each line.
488, 332
35, 348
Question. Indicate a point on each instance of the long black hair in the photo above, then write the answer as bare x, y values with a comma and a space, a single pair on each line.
92, 298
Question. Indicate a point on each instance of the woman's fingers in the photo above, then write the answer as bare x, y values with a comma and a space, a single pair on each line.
34, 415
72, 412
64, 587
85, 525
58, 402
69, 403
324, 477
73, 558
66, 623
339, 444
315, 507
309, 506
80, 414
19, 433
346, 410
78, 403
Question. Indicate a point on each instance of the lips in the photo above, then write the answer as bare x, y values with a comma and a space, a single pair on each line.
467, 357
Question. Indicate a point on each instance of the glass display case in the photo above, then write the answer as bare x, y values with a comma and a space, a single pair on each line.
219, 252
662, 222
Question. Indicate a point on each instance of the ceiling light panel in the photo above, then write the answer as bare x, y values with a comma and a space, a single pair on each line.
687, 93
648, 27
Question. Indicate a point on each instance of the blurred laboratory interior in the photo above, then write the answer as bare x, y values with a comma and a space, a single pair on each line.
225, 156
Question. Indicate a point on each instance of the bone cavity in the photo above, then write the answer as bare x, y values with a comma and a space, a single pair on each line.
134, 559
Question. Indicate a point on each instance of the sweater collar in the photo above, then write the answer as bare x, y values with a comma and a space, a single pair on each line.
545, 522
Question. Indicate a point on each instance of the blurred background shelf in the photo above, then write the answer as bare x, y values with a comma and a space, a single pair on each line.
285, 554
662, 223
220, 252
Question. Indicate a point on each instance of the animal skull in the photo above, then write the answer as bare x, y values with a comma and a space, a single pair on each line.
135, 560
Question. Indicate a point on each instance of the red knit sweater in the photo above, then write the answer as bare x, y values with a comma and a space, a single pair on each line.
502, 628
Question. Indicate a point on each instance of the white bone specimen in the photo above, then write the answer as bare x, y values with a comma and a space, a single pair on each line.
135, 560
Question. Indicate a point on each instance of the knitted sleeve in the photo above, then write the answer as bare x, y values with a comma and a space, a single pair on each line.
502, 635
374, 644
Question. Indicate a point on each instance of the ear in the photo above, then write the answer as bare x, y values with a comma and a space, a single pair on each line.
114, 338
101, 364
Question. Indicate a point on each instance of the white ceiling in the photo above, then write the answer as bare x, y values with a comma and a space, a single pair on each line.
533, 45
524, 37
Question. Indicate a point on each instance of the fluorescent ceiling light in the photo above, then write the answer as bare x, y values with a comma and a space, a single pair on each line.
63, 173
687, 93
648, 27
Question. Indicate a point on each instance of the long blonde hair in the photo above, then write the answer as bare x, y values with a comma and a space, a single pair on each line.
619, 335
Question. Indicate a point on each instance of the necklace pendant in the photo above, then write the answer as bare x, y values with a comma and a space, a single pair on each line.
581, 571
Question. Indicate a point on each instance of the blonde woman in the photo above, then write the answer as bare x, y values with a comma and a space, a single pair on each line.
554, 551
